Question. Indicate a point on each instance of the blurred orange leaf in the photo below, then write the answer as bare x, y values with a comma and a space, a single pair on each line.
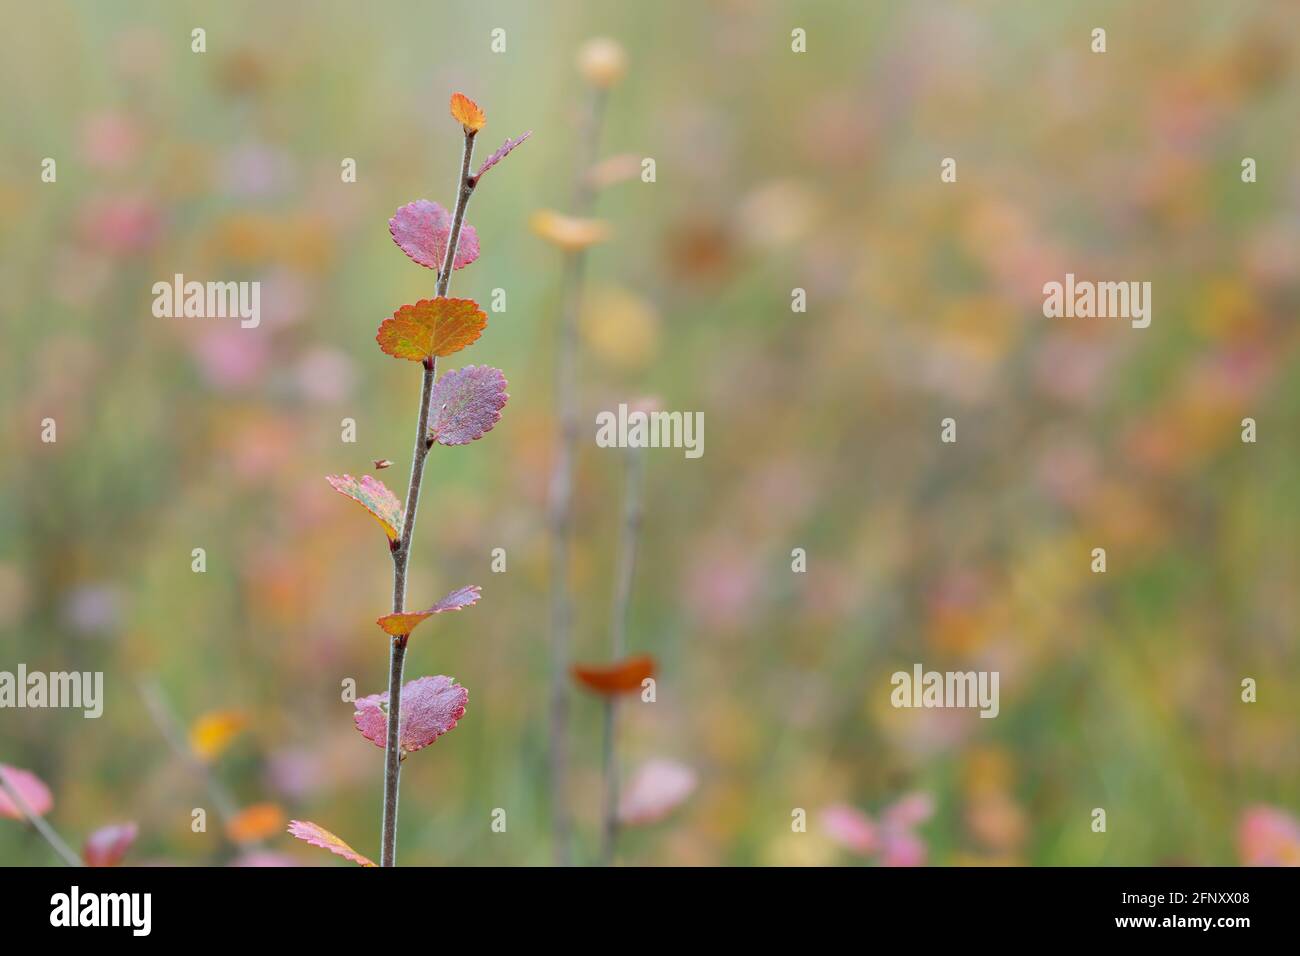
317, 835
373, 495
568, 232
212, 733
466, 112
431, 327
403, 623
621, 677
255, 822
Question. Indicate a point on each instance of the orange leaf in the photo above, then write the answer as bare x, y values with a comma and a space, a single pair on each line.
317, 835
373, 495
403, 623
467, 113
256, 822
568, 232
431, 327
213, 732
621, 677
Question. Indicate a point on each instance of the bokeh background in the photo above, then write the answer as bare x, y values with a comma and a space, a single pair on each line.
775, 170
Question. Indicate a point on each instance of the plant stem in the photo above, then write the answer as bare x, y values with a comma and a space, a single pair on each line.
561, 489
402, 552
39, 823
172, 731
633, 510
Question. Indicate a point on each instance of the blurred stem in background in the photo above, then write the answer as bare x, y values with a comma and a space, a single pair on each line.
39, 823
173, 732
633, 510
561, 489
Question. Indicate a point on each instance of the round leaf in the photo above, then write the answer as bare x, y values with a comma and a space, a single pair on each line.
431, 327
422, 230
466, 403
431, 706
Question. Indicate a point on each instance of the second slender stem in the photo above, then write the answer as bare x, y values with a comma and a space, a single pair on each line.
561, 490
39, 823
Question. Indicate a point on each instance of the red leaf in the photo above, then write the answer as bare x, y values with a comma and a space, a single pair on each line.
373, 495
431, 706
30, 789
506, 148
107, 845
317, 835
403, 622
466, 403
656, 789
621, 677
422, 229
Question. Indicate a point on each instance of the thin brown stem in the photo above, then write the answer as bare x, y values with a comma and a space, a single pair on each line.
633, 512
561, 488
402, 551
39, 823
169, 726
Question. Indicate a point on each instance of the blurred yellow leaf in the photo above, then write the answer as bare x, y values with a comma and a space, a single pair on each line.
620, 327
602, 61
213, 732
569, 232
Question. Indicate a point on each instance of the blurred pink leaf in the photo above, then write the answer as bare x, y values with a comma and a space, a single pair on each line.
1267, 836
657, 788
317, 835
107, 845
404, 622
422, 228
30, 789
373, 495
500, 154
850, 828
430, 708
466, 403
909, 810
902, 848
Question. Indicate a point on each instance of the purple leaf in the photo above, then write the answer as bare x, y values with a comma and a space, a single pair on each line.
466, 403
500, 154
422, 228
430, 707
